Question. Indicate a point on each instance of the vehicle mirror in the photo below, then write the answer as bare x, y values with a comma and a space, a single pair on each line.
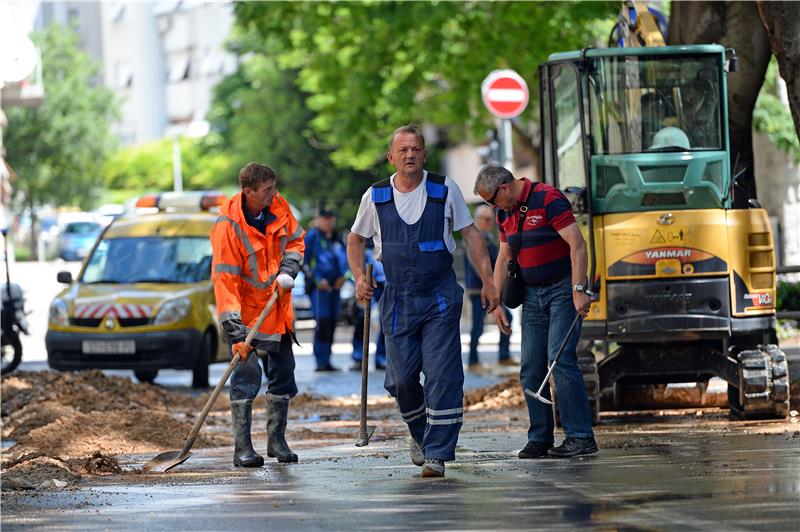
64, 277
577, 198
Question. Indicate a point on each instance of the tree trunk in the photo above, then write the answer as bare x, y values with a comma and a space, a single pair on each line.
735, 25
782, 22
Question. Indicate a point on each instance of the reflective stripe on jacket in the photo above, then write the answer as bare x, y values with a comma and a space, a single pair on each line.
246, 263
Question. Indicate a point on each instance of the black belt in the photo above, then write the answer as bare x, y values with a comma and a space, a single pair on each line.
548, 283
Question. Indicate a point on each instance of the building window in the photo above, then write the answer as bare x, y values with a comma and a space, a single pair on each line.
179, 68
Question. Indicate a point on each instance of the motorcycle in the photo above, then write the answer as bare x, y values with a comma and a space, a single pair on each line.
14, 320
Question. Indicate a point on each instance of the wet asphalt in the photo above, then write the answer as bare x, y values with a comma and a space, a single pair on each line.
671, 473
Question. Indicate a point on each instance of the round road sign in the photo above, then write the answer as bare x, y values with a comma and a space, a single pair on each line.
505, 93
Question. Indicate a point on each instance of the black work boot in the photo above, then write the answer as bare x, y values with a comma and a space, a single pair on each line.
574, 447
244, 455
535, 449
277, 411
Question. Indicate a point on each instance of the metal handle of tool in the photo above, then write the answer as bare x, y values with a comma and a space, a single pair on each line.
221, 384
538, 395
365, 357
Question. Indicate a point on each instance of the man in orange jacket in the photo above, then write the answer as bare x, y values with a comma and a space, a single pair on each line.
258, 248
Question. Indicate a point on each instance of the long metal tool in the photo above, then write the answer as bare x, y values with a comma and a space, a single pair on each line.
365, 432
169, 459
538, 393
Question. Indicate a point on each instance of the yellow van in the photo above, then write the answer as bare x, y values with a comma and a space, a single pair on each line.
143, 299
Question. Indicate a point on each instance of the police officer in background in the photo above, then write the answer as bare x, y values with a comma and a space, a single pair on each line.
325, 272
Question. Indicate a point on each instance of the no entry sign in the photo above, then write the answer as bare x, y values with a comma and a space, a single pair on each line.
505, 93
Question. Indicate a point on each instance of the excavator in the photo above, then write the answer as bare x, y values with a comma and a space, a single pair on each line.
682, 259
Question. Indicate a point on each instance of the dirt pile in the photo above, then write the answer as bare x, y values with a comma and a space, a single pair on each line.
71, 424
507, 394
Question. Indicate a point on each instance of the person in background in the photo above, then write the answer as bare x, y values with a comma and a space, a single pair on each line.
324, 271
379, 278
484, 222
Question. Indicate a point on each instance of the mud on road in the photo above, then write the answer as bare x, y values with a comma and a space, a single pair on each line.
71, 429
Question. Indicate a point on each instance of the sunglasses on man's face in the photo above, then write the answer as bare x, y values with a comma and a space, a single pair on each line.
490, 201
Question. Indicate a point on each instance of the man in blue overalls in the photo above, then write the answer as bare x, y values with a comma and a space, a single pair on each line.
324, 271
411, 217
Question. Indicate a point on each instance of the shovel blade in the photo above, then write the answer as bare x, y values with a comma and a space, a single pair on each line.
166, 461
364, 436
538, 397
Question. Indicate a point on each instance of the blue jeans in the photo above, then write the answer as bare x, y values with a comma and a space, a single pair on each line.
478, 317
547, 313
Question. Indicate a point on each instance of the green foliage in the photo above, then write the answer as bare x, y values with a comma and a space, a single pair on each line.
788, 296
58, 149
369, 67
260, 115
148, 167
772, 116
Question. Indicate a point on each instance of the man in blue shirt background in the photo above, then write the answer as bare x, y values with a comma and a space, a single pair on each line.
324, 270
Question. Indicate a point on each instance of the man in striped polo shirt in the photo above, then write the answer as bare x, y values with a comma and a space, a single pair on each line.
552, 258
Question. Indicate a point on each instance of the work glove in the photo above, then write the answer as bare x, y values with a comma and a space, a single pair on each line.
285, 281
234, 331
243, 349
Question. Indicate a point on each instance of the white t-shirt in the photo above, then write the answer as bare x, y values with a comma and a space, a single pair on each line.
410, 206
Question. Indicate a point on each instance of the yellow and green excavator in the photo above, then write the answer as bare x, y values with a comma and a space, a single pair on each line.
683, 260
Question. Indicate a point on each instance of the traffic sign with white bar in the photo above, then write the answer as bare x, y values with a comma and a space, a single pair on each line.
505, 93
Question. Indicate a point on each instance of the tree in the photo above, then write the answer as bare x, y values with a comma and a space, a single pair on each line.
782, 22
260, 114
756, 30
736, 25
58, 148
372, 66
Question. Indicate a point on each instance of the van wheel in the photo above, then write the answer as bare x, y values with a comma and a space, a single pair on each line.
204, 356
146, 375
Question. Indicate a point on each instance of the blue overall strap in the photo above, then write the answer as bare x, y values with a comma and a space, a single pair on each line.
382, 192
431, 232
435, 187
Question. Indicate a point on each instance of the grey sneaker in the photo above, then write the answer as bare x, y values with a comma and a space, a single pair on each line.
433, 469
417, 456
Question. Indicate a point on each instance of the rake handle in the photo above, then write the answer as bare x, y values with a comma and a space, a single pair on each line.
221, 384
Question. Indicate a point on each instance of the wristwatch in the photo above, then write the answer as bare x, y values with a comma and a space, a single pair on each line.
582, 288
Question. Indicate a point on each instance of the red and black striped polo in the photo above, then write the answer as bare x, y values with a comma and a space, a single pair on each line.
544, 255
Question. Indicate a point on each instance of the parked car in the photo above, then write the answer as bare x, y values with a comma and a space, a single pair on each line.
77, 239
143, 299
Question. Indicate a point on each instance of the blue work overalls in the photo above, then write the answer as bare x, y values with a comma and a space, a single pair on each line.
420, 312
323, 255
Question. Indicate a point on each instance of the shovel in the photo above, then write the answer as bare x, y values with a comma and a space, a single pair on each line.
169, 459
365, 432
538, 393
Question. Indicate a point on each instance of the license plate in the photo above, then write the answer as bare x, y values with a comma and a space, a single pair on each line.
109, 347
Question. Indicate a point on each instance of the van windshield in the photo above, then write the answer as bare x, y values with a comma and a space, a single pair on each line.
150, 260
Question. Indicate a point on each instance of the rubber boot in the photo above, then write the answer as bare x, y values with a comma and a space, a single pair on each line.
277, 411
244, 455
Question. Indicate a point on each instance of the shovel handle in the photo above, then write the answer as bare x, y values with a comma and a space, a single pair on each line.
221, 384
365, 357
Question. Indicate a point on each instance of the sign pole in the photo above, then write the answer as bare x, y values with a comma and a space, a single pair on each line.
508, 151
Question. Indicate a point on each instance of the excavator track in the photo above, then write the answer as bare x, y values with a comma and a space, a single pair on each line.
763, 390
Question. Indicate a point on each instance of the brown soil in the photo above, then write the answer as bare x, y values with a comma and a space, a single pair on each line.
38, 470
507, 394
70, 424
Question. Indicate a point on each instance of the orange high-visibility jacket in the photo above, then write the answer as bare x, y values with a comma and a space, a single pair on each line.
247, 262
